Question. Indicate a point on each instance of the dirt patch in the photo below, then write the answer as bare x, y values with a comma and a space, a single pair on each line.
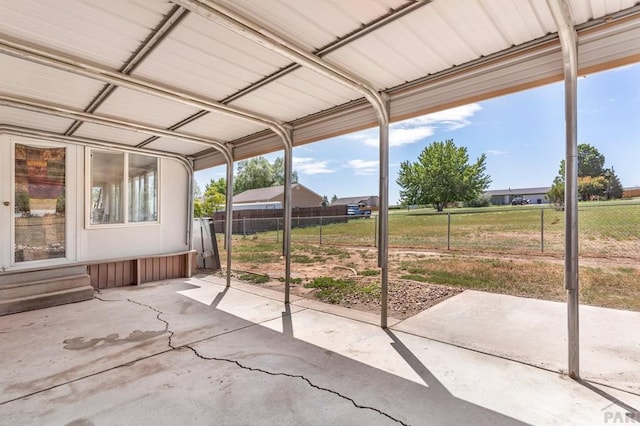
406, 297
420, 279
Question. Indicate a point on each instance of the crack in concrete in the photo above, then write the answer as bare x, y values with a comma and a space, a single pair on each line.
231, 361
296, 376
260, 370
166, 323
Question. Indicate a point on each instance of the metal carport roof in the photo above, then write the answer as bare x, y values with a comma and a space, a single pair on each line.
216, 81
426, 56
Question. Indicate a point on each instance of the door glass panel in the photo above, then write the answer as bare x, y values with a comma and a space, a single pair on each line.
39, 202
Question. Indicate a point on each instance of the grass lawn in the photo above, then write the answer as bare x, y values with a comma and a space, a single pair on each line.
607, 229
478, 238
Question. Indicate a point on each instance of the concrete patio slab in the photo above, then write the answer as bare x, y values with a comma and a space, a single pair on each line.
535, 332
195, 352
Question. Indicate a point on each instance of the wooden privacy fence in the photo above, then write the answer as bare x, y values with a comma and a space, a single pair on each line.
246, 222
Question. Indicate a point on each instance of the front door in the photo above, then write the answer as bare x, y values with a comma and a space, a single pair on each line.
35, 205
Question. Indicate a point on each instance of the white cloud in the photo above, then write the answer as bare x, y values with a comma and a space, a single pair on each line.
310, 166
415, 129
496, 152
363, 167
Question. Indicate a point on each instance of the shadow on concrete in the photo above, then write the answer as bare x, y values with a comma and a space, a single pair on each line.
219, 298
472, 413
633, 414
287, 324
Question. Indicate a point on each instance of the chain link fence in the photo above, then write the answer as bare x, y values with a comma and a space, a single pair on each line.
610, 230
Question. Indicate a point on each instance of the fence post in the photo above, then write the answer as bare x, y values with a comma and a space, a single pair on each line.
448, 230
542, 230
320, 230
375, 232
244, 226
277, 230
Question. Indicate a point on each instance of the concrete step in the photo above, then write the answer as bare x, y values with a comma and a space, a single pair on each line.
28, 276
45, 300
43, 286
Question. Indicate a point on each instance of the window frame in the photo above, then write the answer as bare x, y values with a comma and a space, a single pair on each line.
124, 191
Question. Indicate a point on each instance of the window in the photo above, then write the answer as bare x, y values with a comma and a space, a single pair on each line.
109, 172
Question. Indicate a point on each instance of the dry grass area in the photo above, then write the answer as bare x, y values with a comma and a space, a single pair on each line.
418, 280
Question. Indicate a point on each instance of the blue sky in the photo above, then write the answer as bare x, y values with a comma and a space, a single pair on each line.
522, 135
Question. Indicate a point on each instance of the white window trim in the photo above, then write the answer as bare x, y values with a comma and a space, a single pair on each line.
70, 201
125, 192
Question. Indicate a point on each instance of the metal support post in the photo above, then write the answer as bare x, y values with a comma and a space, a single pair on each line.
286, 228
375, 231
569, 44
228, 223
448, 230
383, 213
542, 230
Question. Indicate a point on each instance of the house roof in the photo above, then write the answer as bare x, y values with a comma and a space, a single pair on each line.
518, 191
259, 195
351, 200
204, 78
268, 194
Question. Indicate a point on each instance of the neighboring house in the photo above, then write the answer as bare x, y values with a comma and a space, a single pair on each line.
362, 201
273, 197
631, 192
505, 196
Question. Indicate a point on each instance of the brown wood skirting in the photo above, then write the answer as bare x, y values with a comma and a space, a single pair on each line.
137, 271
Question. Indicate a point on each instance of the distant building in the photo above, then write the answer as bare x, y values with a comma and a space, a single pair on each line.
362, 201
505, 196
632, 192
273, 198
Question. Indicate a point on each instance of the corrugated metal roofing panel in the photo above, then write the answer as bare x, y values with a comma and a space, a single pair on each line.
585, 10
112, 134
295, 95
438, 36
103, 31
177, 146
220, 127
314, 23
26, 79
145, 108
520, 21
202, 57
33, 120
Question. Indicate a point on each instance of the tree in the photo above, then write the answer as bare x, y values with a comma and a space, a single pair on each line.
197, 191
590, 161
213, 199
325, 201
614, 186
556, 193
590, 188
442, 175
334, 198
593, 179
258, 172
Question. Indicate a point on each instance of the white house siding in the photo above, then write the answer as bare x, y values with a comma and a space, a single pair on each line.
84, 244
167, 236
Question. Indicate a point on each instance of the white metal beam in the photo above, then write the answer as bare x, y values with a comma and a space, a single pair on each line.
48, 57
119, 123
